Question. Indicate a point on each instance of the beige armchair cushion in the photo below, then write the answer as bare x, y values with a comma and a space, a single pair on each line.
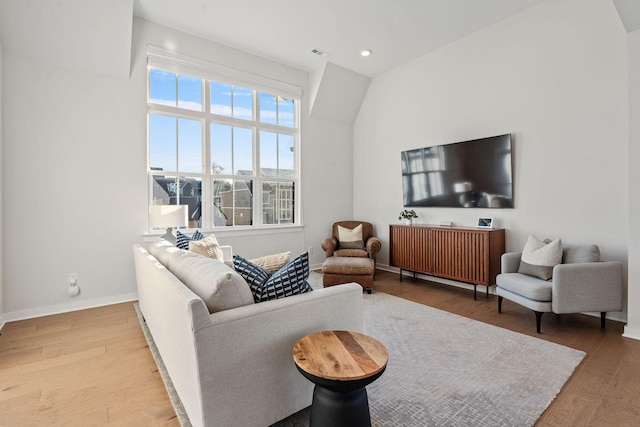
350, 238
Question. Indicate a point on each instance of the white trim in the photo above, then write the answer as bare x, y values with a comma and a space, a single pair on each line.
629, 332
158, 57
232, 231
68, 307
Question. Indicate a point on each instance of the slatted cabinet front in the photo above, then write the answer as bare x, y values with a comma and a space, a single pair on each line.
465, 254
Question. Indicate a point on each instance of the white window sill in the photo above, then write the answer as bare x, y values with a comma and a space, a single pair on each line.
231, 231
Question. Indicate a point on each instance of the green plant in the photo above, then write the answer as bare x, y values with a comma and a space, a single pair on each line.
408, 214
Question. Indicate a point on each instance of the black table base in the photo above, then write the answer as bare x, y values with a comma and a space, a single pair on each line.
340, 408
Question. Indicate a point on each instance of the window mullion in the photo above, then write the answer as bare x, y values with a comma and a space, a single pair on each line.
206, 198
240, 123
257, 175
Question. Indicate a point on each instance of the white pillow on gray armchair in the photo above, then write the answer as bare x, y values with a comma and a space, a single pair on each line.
538, 258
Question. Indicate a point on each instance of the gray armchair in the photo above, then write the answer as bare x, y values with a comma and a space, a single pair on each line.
582, 283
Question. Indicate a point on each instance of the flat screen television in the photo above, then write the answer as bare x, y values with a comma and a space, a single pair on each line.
468, 174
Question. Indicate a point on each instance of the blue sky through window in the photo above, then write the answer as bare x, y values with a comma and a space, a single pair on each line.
176, 144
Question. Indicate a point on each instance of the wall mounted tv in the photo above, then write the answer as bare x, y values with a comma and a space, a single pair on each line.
468, 174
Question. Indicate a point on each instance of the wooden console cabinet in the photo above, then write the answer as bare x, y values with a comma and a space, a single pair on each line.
469, 255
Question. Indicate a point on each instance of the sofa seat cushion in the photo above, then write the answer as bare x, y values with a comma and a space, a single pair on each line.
289, 280
356, 253
527, 286
219, 286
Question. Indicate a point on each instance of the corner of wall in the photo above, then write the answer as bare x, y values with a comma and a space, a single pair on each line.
337, 94
1, 199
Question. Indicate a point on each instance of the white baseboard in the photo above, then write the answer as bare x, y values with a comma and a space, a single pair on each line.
67, 307
615, 316
630, 332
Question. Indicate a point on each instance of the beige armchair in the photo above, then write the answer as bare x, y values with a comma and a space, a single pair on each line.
581, 283
370, 245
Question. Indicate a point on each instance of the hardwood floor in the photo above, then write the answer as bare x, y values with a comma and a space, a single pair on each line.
93, 367
84, 368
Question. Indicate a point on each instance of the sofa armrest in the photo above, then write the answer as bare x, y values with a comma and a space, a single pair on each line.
247, 351
587, 287
329, 246
373, 247
510, 262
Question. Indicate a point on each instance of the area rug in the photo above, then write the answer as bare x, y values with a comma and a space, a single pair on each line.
181, 413
447, 370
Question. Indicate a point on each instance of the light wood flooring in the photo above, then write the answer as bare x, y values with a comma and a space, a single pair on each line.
93, 367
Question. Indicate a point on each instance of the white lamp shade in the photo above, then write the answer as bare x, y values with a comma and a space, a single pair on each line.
163, 216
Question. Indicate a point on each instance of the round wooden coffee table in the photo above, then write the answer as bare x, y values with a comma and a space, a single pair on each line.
340, 364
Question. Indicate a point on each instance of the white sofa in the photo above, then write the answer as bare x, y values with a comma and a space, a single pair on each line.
235, 367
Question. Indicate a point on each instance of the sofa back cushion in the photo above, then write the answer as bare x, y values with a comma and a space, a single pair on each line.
219, 286
579, 254
163, 251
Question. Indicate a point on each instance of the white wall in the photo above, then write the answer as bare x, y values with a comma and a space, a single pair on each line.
633, 316
75, 187
555, 76
1, 208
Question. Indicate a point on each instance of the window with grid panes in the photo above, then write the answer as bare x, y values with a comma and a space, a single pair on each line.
227, 151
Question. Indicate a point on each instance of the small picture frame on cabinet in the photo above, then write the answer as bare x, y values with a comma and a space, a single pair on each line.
484, 222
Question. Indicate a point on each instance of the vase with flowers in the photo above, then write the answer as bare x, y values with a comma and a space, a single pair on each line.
408, 215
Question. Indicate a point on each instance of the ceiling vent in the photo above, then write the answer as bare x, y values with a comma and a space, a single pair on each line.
320, 53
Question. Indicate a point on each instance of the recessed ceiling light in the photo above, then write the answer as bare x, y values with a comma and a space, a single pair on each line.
366, 52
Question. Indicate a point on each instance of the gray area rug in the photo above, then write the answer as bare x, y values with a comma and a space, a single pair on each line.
181, 413
447, 370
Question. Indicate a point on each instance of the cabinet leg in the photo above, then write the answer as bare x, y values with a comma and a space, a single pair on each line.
474, 292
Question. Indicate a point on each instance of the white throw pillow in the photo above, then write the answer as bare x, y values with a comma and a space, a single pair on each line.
208, 246
538, 258
350, 239
272, 263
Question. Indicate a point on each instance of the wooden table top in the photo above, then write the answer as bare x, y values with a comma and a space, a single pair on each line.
340, 355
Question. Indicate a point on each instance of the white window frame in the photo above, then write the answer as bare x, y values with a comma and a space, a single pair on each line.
163, 60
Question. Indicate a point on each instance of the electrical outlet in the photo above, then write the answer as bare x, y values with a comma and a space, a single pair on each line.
310, 250
73, 279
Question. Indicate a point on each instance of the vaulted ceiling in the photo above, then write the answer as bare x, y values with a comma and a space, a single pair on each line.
95, 35
287, 30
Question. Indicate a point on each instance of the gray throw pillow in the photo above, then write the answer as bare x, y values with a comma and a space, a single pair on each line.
580, 254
